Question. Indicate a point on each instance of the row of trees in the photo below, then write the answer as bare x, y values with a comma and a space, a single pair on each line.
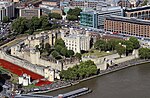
73, 14
54, 15
144, 53
121, 46
83, 70
22, 25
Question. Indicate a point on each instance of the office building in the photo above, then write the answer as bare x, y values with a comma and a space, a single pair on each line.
30, 12
88, 19
95, 19
6, 9
87, 3
126, 25
10, 0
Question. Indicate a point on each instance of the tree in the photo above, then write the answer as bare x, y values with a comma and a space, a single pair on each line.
73, 14
6, 19
60, 42
100, 44
120, 49
84, 69
58, 48
30, 31
72, 17
129, 46
70, 53
64, 51
135, 42
36, 22
19, 25
75, 11
55, 26
112, 43
44, 22
55, 15
78, 55
55, 54
144, 53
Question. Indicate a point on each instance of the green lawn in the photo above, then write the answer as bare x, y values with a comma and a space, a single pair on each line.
97, 53
31, 86
3, 70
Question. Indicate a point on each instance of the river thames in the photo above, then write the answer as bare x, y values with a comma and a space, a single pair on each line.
132, 82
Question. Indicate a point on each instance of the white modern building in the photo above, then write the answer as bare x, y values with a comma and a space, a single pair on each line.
76, 41
6, 9
25, 80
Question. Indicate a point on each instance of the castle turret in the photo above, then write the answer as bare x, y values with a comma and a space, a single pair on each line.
78, 45
34, 55
50, 35
49, 74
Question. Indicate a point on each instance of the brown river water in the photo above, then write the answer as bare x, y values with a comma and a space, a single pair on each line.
132, 82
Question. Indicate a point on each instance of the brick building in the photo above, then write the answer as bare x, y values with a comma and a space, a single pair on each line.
139, 12
125, 25
54, 3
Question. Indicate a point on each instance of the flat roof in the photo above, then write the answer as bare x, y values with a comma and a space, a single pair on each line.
127, 19
51, 0
5, 4
137, 8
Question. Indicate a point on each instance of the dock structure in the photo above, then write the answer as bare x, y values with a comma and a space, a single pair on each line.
32, 96
72, 94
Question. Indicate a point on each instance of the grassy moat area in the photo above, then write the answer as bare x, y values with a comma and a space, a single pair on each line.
97, 53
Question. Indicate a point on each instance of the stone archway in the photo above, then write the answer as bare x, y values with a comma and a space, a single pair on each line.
131, 15
107, 65
135, 14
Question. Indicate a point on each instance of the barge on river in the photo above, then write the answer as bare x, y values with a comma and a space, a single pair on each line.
75, 93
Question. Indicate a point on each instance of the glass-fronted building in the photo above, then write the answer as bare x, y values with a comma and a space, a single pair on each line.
88, 19
96, 19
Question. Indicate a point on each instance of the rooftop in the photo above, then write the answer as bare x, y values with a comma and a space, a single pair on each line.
4, 4
50, 0
104, 10
128, 19
137, 8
